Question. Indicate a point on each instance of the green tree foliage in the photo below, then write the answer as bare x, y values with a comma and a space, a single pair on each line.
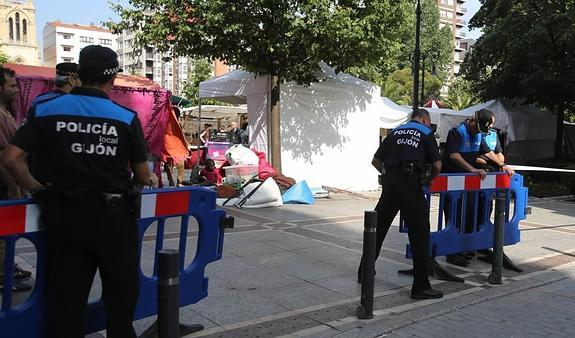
398, 86
460, 95
254, 33
4, 58
433, 37
527, 51
202, 71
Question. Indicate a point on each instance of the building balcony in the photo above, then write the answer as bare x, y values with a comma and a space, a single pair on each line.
149, 56
460, 22
149, 70
460, 35
461, 10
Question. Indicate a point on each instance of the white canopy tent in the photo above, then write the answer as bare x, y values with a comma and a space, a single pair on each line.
326, 128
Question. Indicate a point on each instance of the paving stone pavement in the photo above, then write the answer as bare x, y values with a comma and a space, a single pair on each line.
291, 272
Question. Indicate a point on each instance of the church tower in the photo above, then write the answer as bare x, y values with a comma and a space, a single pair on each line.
18, 31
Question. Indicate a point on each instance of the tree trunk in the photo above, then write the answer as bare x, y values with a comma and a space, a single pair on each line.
275, 126
559, 134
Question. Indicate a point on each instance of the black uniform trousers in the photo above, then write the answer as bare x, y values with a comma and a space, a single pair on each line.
85, 235
404, 193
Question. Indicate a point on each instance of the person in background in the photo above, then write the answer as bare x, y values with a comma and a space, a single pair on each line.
234, 133
66, 79
245, 135
9, 189
210, 175
205, 136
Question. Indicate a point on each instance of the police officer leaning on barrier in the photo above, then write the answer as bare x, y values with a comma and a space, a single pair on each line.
409, 159
465, 144
85, 146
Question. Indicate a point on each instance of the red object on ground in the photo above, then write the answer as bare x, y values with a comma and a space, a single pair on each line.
265, 168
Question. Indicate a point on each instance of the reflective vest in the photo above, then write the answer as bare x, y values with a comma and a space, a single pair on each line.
469, 143
491, 139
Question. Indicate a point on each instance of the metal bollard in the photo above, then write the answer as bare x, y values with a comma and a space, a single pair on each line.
168, 294
168, 323
365, 310
498, 234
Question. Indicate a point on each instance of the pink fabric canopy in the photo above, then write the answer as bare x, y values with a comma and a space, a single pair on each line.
141, 95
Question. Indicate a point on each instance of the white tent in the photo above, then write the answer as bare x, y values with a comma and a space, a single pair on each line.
392, 115
329, 130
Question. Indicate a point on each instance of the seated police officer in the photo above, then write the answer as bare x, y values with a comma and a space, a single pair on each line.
65, 80
409, 159
86, 149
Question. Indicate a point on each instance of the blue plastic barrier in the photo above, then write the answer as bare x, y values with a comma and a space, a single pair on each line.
454, 190
18, 219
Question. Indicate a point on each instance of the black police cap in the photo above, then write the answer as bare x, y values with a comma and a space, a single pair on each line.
484, 119
67, 69
98, 60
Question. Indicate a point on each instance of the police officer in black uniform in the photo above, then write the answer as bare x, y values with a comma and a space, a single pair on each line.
66, 79
409, 159
87, 148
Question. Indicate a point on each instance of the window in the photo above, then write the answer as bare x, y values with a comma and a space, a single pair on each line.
86, 39
106, 42
67, 48
25, 30
11, 28
17, 26
67, 36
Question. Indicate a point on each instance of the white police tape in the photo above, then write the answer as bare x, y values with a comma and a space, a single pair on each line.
529, 168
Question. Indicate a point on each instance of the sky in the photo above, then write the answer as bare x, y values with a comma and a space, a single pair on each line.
97, 11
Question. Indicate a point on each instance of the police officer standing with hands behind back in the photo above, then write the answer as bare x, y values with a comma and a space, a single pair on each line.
86, 148
409, 159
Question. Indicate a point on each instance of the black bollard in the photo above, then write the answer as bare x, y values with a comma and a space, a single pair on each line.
168, 323
365, 310
168, 294
498, 234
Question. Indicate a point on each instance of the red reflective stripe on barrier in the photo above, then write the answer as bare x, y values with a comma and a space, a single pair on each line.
172, 203
439, 184
472, 182
503, 181
12, 219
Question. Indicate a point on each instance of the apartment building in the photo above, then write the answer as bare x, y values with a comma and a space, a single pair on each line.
451, 14
62, 42
170, 73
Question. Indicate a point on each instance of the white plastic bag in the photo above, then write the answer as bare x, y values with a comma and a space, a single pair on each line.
238, 154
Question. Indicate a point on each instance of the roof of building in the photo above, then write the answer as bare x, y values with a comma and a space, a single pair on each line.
92, 27
122, 80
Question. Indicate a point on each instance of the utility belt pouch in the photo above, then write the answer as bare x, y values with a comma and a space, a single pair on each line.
135, 201
426, 175
50, 204
113, 202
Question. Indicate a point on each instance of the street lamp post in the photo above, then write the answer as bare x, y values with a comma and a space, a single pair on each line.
416, 56
433, 54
